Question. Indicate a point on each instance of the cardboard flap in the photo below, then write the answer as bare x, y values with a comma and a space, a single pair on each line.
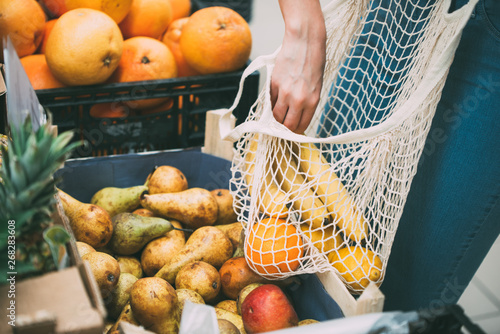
3, 87
60, 293
126, 328
92, 288
3, 102
40, 322
21, 97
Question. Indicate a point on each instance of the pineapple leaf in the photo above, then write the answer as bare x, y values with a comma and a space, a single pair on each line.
34, 155
5, 161
17, 174
19, 137
35, 188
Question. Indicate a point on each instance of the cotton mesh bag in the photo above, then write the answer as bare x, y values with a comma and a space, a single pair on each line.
331, 199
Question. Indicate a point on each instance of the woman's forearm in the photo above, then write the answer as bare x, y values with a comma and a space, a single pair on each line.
298, 73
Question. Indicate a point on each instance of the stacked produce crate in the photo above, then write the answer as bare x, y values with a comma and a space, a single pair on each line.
182, 125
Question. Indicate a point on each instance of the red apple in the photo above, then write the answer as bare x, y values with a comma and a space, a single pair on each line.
266, 308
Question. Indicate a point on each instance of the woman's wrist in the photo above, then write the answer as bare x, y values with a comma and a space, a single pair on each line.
303, 20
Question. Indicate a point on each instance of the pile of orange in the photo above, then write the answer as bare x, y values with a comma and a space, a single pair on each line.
86, 42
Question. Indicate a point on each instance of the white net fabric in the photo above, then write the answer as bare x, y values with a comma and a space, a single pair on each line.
331, 200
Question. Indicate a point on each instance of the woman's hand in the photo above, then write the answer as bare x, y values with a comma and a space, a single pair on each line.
297, 77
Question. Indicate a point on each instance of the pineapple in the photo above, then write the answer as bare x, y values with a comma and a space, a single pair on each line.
27, 196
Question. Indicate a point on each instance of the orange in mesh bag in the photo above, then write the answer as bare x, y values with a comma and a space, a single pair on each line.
273, 247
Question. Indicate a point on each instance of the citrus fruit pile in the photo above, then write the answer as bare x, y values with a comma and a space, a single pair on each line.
85, 42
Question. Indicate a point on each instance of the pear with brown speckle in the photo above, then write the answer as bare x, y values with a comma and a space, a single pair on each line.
106, 272
89, 222
155, 305
166, 179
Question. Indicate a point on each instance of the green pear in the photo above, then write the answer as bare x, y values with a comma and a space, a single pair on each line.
117, 200
131, 232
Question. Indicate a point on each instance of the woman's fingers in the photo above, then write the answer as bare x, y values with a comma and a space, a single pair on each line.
292, 119
280, 112
293, 105
299, 117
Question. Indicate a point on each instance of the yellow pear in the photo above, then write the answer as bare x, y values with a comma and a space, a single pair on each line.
90, 223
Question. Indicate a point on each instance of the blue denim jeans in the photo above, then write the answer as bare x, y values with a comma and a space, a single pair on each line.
452, 214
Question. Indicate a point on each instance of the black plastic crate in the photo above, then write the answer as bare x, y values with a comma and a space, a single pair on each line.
181, 126
243, 7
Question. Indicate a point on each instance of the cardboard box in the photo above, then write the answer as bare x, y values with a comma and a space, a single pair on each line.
60, 302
